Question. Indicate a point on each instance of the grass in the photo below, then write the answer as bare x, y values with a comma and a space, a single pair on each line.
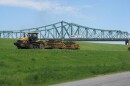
45, 67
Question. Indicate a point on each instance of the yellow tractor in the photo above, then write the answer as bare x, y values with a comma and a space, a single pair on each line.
30, 41
129, 46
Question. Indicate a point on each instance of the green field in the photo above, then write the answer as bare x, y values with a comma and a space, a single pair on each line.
45, 67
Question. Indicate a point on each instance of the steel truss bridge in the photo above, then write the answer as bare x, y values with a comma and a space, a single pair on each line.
70, 31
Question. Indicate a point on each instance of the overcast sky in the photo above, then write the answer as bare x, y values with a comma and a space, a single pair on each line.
100, 14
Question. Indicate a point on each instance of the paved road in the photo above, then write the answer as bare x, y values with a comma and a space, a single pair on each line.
120, 79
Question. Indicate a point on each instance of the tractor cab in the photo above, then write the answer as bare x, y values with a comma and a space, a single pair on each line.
33, 36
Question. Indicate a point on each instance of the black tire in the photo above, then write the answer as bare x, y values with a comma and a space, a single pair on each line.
35, 47
31, 46
19, 47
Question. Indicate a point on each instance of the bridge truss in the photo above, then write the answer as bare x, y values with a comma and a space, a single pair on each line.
70, 31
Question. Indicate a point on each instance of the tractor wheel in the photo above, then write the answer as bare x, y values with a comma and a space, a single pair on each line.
31, 46
19, 47
35, 47
41, 46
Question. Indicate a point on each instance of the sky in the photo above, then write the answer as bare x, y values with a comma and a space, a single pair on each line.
99, 14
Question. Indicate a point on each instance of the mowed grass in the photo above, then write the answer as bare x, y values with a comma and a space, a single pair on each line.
46, 67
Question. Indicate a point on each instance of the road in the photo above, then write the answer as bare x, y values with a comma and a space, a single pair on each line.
120, 79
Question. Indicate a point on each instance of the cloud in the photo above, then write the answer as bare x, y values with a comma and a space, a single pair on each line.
27, 4
51, 6
39, 6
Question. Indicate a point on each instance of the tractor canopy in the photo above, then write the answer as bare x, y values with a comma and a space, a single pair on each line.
33, 36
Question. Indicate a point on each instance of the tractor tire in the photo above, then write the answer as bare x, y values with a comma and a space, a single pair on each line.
31, 46
18, 47
35, 47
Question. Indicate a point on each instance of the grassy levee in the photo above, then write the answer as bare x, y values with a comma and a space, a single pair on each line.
19, 67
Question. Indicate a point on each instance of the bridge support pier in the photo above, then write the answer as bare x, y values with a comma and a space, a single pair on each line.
127, 42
